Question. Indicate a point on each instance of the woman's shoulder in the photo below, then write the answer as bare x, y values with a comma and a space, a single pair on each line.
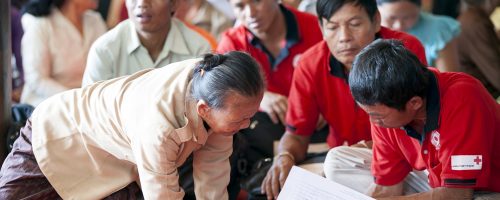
439, 23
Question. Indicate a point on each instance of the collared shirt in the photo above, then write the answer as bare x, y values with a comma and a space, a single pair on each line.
133, 128
55, 52
459, 143
119, 52
302, 32
320, 86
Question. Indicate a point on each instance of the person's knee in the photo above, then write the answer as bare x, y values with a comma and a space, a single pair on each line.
331, 164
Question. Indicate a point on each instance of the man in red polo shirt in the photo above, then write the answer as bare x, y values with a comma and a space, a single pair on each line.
275, 35
320, 86
446, 123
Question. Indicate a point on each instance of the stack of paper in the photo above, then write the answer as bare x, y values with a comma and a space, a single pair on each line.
304, 185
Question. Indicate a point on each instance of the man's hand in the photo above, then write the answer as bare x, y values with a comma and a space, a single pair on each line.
276, 176
275, 105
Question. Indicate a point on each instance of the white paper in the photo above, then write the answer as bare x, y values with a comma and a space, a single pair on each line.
304, 185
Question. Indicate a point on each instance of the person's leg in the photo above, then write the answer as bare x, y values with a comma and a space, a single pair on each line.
20, 176
349, 166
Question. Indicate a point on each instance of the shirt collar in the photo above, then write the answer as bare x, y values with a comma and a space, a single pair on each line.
175, 41
292, 37
432, 111
194, 128
337, 68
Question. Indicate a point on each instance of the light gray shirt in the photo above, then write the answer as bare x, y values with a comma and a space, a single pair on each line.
119, 52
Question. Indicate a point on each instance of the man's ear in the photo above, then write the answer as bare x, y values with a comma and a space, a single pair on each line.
415, 103
377, 21
202, 108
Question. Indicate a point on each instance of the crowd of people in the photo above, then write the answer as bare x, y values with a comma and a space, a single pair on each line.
183, 99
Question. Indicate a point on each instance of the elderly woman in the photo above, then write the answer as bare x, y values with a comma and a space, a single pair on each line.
91, 142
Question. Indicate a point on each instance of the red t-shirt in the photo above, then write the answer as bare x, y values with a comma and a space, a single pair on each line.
320, 86
302, 32
460, 147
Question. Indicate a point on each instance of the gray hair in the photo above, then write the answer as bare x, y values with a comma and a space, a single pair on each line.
218, 74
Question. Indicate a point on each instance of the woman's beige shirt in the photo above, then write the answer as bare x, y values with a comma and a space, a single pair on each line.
93, 141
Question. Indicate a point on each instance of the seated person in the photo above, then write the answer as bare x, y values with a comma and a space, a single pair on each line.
150, 38
479, 46
90, 143
421, 119
203, 14
57, 38
437, 33
275, 35
319, 84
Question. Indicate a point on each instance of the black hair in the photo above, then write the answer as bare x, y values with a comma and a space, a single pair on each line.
416, 2
387, 73
218, 74
327, 8
41, 8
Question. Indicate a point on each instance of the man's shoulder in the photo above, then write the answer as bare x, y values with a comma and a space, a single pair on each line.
316, 52
237, 33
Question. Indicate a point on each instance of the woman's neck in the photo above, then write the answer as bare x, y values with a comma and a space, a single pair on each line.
74, 15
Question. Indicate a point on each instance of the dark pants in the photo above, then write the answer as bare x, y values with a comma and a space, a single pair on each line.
21, 178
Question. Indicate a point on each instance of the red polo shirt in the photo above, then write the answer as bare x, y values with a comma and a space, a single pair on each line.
460, 145
302, 32
320, 86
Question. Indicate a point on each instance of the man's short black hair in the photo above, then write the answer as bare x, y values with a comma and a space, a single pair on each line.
387, 73
327, 8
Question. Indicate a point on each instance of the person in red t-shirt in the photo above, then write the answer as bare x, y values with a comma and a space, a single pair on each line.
319, 84
276, 36
421, 119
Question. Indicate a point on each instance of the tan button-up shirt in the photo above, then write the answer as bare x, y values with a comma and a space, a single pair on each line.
93, 141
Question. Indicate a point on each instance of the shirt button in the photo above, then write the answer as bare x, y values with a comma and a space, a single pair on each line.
425, 151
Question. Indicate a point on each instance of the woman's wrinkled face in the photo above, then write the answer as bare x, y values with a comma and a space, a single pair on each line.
400, 16
233, 116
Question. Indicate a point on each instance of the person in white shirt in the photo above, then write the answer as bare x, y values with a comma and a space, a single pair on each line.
150, 38
57, 37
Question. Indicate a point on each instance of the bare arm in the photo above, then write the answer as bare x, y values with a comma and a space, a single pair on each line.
447, 60
296, 146
394, 193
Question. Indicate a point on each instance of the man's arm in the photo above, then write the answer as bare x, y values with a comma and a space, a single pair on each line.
292, 149
394, 192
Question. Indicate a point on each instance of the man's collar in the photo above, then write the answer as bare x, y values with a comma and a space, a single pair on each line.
292, 37
175, 41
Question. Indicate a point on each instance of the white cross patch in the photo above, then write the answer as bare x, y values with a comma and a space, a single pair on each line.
466, 162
